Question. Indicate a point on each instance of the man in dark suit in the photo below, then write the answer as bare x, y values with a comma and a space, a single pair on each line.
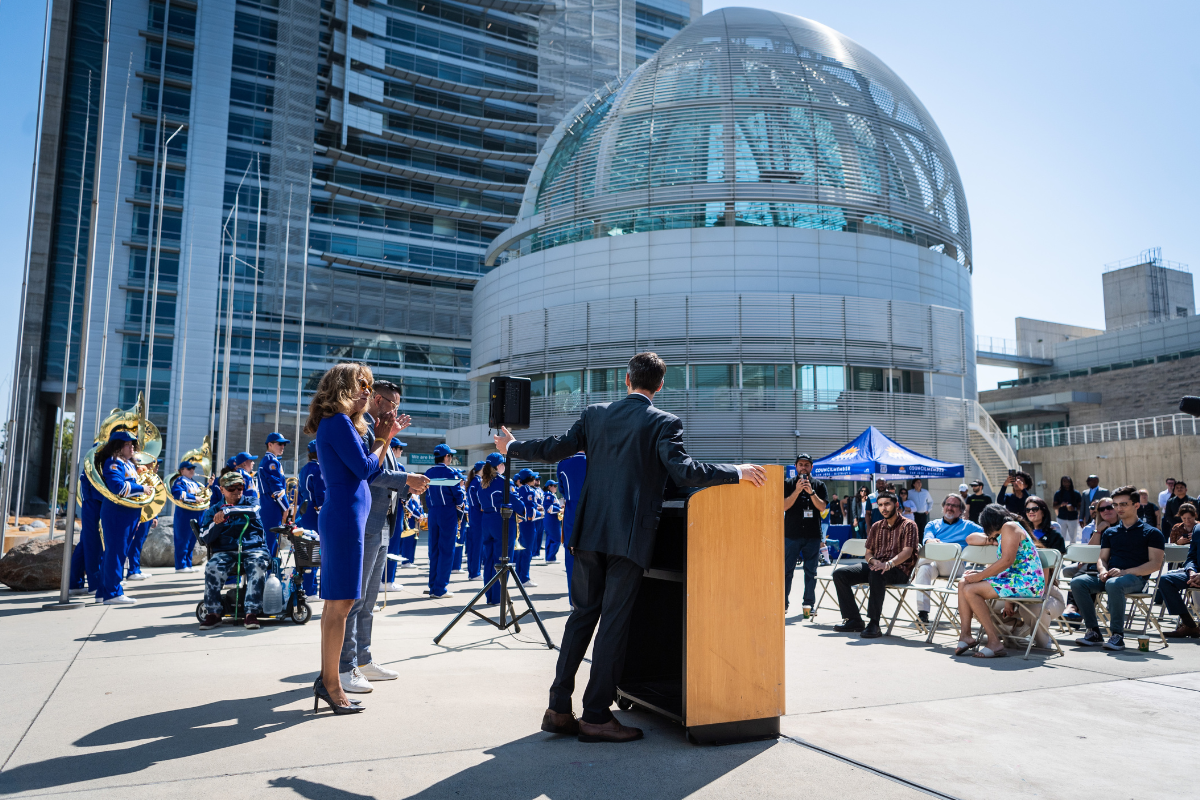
632, 448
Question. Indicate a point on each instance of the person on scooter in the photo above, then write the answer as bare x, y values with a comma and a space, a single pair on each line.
233, 532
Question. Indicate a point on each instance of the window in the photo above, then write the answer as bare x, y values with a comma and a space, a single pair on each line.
866, 379
819, 378
714, 376
538, 385
907, 381
172, 188
676, 379
767, 376
1181, 311
605, 380
566, 382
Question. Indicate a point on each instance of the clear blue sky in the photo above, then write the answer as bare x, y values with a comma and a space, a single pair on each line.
1074, 126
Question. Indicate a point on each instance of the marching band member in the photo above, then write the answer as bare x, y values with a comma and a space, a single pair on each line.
272, 484
185, 487
572, 471
413, 514
310, 495
119, 523
243, 462
85, 559
491, 498
444, 501
539, 516
474, 522
527, 528
553, 522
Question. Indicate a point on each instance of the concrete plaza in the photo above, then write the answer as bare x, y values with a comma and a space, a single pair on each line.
106, 702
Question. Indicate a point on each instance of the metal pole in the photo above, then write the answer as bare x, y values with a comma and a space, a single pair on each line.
84, 321
25, 438
254, 307
183, 353
287, 237
228, 333
303, 310
158, 133
62, 403
162, 192
212, 407
15, 395
112, 254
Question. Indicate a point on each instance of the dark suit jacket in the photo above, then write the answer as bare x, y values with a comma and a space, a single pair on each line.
632, 448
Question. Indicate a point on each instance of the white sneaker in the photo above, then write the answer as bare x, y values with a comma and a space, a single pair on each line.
185, 569
139, 576
390, 587
353, 681
375, 672
120, 600
442, 596
408, 565
529, 584
456, 572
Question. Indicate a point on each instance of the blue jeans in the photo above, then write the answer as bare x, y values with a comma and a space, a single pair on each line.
1171, 587
1086, 587
217, 570
809, 551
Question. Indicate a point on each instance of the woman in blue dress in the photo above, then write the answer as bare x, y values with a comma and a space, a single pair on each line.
336, 417
118, 523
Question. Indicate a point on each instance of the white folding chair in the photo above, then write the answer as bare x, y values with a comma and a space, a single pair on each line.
1051, 564
978, 555
851, 548
1143, 601
933, 551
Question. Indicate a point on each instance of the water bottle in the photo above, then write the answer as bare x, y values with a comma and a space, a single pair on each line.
272, 604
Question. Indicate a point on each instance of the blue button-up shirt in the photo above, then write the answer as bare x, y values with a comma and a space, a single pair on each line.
955, 533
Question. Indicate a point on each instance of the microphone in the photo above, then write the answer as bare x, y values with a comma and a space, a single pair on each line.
1190, 405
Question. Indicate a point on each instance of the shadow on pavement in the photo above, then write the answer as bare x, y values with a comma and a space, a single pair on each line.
178, 734
663, 767
316, 791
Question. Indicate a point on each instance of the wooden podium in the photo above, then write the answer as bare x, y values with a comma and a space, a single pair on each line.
706, 636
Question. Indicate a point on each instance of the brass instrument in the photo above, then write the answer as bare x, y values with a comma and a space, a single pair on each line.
291, 488
202, 458
149, 445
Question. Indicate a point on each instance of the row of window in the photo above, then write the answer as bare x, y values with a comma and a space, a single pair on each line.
403, 222
455, 134
420, 191
457, 74
471, 19
469, 49
436, 162
805, 377
383, 351
399, 252
457, 104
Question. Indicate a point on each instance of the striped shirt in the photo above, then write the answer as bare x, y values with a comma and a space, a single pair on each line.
884, 542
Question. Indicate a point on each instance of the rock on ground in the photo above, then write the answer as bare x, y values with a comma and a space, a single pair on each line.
159, 548
33, 566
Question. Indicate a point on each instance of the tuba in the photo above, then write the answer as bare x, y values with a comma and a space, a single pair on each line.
201, 457
149, 445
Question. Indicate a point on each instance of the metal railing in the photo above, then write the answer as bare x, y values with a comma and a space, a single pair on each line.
1123, 430
1013, 347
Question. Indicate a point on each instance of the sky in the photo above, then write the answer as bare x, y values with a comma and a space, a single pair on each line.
1073, 125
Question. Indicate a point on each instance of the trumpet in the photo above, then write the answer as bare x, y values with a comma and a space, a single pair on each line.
202, 458
152, 500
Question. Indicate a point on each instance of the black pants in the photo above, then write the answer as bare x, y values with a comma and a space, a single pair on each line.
603, 589
845, 578
922, 520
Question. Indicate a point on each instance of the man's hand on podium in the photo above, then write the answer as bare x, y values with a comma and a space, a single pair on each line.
753, 473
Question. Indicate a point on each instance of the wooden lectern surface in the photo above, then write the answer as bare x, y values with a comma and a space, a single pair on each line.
735, 602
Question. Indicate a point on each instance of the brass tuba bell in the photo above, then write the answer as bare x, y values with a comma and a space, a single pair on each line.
149, 445
202, 458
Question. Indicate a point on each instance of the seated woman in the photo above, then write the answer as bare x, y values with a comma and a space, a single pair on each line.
1046, 534
229, 530
1182, 532
1017, 572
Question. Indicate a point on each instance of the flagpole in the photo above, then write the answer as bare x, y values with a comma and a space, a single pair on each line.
254, 307
303, 311
287, 236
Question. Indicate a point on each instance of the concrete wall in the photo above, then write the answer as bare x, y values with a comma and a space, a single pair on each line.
1146, 293
1145, 463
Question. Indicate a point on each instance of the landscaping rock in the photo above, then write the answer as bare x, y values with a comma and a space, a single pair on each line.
159, 549
33, 566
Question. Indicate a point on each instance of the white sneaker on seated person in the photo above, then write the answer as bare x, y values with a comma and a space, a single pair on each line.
355, 681
374, 672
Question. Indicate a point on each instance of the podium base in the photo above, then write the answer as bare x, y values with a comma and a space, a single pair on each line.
747, 730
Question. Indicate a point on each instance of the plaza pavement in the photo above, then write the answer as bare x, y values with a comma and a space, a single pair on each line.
138, 703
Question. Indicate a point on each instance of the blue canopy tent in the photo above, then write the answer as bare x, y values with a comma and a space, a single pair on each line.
874, 454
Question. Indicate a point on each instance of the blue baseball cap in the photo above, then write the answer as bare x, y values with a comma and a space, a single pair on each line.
479, 465
242, 456
495, 459
552, 482
444, 450
524, 475
397, 443
277, 438
312, 446
121, 435
186, 465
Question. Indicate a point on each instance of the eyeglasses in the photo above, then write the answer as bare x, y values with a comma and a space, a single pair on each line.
1102, 509
364, 385
395, 404
1031, 509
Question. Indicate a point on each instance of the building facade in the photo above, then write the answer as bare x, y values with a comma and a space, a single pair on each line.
767, 206
333, 175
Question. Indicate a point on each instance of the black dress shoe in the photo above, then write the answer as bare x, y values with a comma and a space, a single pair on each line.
611, 731
554, 722
872, 632
850, 626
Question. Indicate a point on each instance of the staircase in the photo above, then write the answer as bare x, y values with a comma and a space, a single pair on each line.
989, 446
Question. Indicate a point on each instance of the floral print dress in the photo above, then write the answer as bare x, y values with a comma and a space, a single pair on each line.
1024, 578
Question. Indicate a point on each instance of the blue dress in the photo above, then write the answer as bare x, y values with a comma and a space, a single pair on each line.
345, 466
118, 524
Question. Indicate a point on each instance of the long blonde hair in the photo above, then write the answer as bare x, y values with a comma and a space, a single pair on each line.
487, 475
336, 394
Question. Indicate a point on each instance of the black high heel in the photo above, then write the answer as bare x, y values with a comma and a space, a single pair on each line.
321, 693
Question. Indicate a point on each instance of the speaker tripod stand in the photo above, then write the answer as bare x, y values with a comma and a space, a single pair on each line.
509, 618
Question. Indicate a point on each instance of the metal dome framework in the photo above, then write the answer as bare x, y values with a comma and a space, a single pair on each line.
748, 117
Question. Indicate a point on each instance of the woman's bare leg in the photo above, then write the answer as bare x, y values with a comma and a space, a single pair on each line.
964, 612
333, 631
978, 595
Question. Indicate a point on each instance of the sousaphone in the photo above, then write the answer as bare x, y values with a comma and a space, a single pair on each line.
149, 445
202, 458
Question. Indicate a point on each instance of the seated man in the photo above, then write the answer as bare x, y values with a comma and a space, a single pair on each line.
1173, 584
952, 528
230, 529
891, 556
1129, 552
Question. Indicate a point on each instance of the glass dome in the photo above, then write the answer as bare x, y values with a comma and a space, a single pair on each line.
750, 117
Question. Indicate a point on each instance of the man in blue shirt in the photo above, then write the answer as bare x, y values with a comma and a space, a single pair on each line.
272, 484
231, 530
445, 496
952, 528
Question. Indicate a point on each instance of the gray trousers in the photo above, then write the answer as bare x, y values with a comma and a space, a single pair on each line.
356, 647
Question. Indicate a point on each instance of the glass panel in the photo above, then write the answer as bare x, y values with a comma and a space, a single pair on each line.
567, 382
676, 378
713, 376
866, 379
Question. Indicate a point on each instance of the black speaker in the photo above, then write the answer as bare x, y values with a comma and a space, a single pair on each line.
508, 403
1190, 405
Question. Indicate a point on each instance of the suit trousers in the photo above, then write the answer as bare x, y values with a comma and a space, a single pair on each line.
603, 590
845, 578
356, 646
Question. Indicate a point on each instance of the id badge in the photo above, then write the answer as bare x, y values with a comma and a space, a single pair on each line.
808, 513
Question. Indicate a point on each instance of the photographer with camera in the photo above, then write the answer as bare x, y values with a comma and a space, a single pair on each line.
233, 532
803, 504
